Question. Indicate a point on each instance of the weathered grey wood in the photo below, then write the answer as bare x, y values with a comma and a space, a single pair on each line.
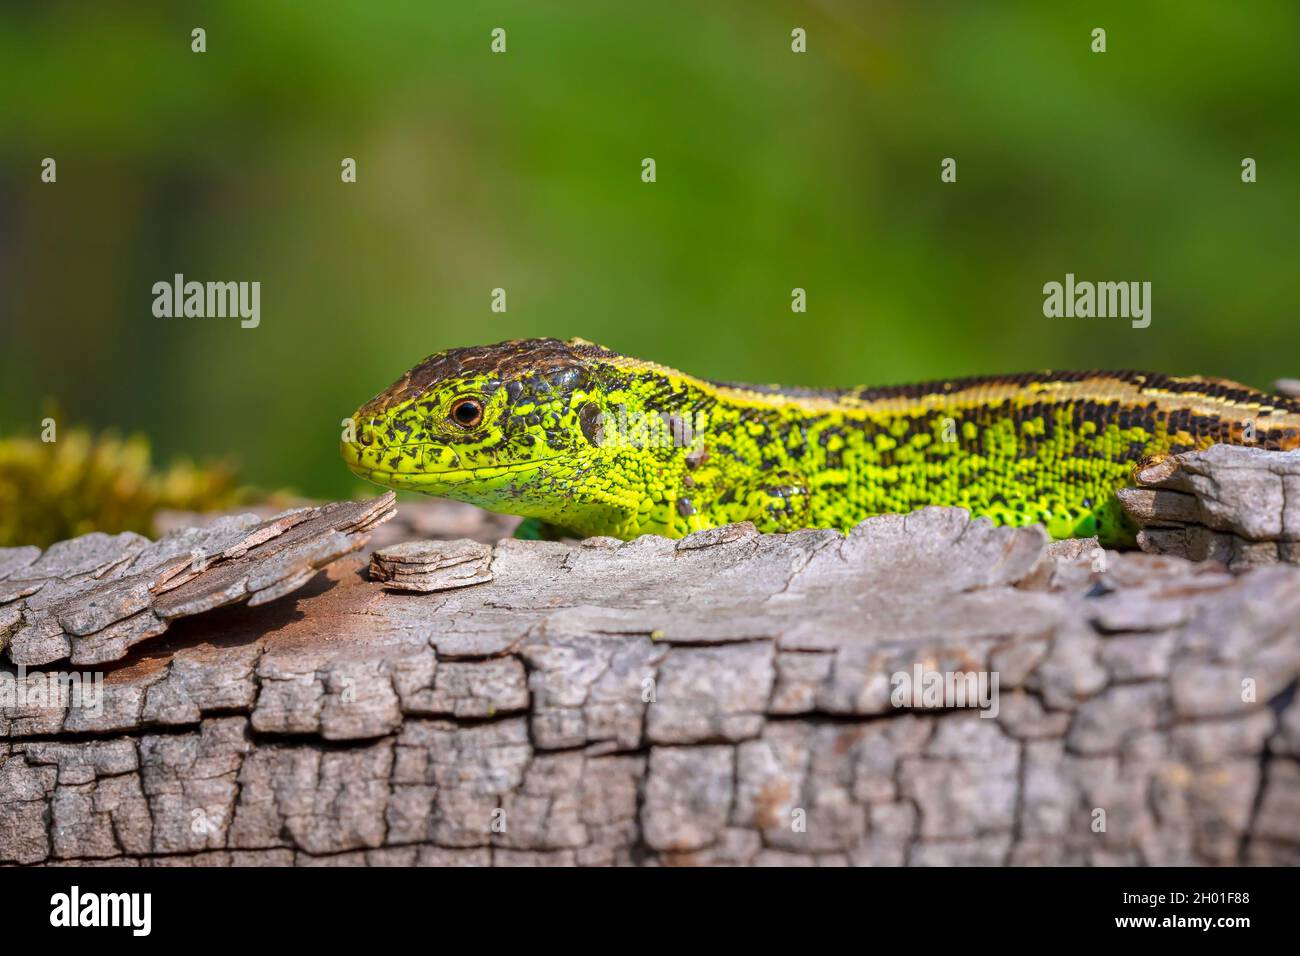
425, 566
91, 599
1238, 505
721, 699
420, 519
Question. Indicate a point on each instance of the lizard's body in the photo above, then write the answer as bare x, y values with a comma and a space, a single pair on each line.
593, 442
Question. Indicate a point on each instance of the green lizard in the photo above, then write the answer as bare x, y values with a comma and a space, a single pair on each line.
590, 442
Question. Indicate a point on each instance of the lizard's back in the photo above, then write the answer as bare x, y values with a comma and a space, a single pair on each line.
1050, 447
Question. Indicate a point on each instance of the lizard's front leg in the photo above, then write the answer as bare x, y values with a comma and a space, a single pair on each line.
774, 501
535, 529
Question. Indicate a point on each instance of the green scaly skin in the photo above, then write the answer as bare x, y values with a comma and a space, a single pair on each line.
591, 442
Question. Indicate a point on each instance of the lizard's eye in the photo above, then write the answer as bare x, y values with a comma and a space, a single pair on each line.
466, 412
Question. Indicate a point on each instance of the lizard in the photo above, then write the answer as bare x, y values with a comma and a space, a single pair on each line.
583, 441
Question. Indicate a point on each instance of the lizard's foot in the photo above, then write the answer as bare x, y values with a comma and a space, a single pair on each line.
535, 529
779, 501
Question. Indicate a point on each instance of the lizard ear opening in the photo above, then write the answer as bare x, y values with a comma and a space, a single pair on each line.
592, 422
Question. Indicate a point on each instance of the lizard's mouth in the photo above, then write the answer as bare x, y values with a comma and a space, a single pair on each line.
446, 476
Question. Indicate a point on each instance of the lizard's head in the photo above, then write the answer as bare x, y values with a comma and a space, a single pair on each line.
512, 427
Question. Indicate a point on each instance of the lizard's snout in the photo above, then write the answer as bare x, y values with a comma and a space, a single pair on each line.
370, 439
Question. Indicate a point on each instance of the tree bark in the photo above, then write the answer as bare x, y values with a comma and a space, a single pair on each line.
1233, 504
728, 698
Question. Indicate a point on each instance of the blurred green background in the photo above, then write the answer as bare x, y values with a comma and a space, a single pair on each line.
522, 171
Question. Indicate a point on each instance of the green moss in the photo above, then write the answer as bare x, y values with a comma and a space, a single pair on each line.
82, 482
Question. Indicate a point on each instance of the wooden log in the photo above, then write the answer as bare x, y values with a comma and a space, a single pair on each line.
1237, 505
728, 698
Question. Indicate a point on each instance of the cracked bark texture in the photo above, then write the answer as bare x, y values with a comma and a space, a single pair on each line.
724, 699
93, 598
1234, 504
